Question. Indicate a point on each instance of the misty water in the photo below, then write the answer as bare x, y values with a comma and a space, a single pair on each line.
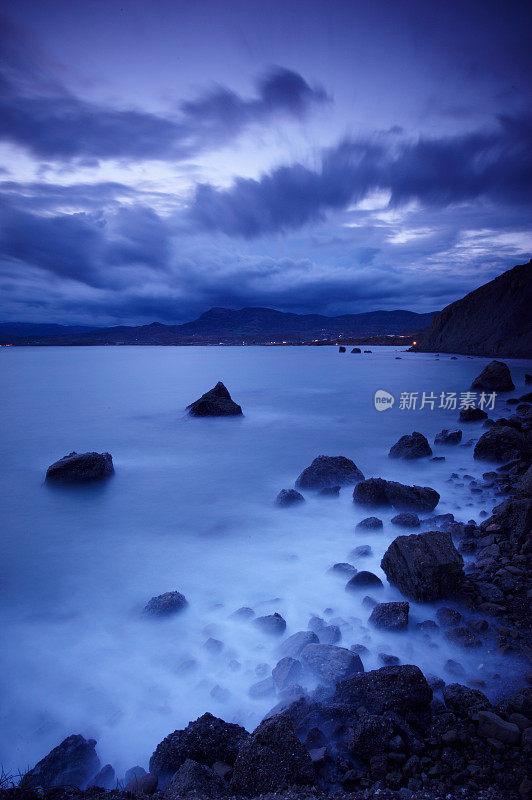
191, 507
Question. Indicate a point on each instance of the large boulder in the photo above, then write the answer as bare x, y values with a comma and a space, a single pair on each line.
363, 580
272, 624
271, 760
463, 701
377, 492
472, 414
500, 443
207, 740
289, 497
80, 468
369, 524
410, 446
72, 763
296, 643
496, 377
195, 780
399, 688
329, 471
390, 616
424, 566
331, 663
163, 605
217, 402
287, 672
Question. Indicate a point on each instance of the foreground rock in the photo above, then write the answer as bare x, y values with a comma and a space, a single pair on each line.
411, 446
501, 443
398, 688
448, 437
195, 780
424, 566
217, 402
496, 377
390, 616
72, 763
165, 604
377, 492
271, 760
331, 663
80, 468
289, 497
329, 471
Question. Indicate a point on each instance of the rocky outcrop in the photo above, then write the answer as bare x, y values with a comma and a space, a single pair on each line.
501, 443
289, 497
424, 566
495, 377
165, 604
72, 763
80, 468
411, 446
328, 471
490, 321
377, 492
390, 616
217, 402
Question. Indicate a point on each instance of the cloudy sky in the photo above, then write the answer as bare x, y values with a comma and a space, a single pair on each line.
159, 157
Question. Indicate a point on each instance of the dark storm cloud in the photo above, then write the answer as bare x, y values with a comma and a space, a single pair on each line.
495, 164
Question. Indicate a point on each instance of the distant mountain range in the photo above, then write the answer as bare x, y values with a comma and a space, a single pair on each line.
225, 326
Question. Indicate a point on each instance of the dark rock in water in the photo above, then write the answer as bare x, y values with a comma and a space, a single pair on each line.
369, 602
272, 759
341, 349
436, 683
71, 763
407, 519
165, 604
369, 524
428, 625
80, 468
272, 624
244, 613
289, 497
286, 673
362, 580
390, 616
343, 569
134, 773
331, 663
401, 689
424, 566
329, 491
496, 377
447, 617
213, 646
368, 351
438, 458
378, 492
463, 637
528, 379
389, 660
105, 778
262, 689
207, 740
454, 668
362, 551
328, 471
463, 700
411, 446
295, 644
500, 443
145, 784
472, 415
195, 780
448, 437
356, 350
217, 402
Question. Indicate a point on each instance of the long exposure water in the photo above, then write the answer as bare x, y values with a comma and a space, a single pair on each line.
191, 507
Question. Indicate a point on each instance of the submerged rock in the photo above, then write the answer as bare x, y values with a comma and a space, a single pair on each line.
407, 519
287, 672
341, 349
472, 415
362, 580
495, 377
217, 402
356, 350
165, 604
289, 497
296, 643
80, 468
331, 663
424, 566
272, 624
448, 437
369, 524
500, 443
400, 689
72, 763
379, 492
410, 446
390, 616
329, 471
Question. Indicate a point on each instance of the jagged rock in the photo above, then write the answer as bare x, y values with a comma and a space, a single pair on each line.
105, 778
195, 780
462, 700
495, 377
287, 672
424, 566
81, 468
390, 616
295, 644
500, 443
271, 760
472, 415
331, 663
165, 604
406, 519
401, 689
206, 740
378, 492
448, 437
327, 471
362, 580
411, 446
71, 763
217, 402
289, 497
369, 524
272, 624
491, 726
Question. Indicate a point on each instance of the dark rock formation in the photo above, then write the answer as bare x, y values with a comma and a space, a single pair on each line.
369, 524
329, 491
341, 349
448, 437
165, 604
407, 519
390, 616
272, 759
501, 443
343, 569
490, 321
287, 672
217, 402
463, 636
410, 446
356, 350
472, 415
496, 377
447, 617
142, 784
362, 580
289, 497
72, 763
327, 471
105, 778
195, 780
424, 566
272, 624
296, 643
378, 492
400, 689
330, 663
80, 468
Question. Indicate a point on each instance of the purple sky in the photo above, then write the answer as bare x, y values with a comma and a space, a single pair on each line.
159, 158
